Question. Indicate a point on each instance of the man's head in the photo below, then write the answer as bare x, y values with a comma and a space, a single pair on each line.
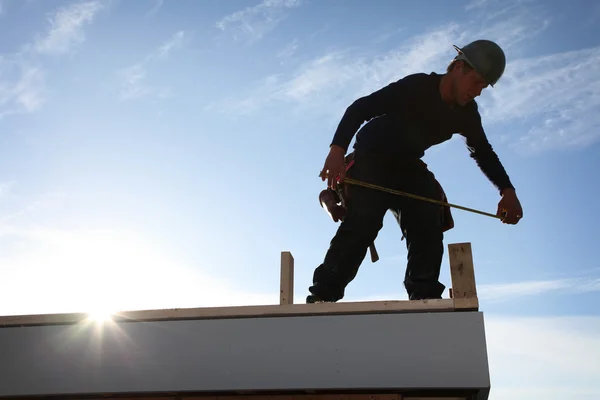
477, 65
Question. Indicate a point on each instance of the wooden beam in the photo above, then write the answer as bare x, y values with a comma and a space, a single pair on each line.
301, 396
260, 311
308, 396
434, 398
462, 272
286, 295
297, 396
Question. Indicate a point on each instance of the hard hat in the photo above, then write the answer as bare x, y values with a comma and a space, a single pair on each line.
486, 57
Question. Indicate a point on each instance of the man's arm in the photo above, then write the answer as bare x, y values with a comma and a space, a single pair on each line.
393, 96
484, 155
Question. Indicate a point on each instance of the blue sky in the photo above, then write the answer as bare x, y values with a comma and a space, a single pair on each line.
161, 154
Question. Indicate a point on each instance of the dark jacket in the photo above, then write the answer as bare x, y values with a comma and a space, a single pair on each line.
408, 116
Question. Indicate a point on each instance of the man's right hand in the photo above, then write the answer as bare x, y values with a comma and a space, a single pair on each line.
335, 165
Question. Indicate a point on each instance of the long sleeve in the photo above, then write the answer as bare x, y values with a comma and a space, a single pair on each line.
396, 95
484, 155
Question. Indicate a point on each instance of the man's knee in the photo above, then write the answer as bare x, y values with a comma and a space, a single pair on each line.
364, 217
361, 229
425, 251
426, 231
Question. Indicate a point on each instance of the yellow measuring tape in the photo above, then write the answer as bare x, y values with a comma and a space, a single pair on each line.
414, 196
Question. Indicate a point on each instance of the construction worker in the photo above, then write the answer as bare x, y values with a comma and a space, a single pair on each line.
404, 119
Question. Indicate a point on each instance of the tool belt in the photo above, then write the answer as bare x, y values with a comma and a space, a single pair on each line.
335, 200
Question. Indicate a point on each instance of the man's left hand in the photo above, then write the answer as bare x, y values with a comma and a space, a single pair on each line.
509, 207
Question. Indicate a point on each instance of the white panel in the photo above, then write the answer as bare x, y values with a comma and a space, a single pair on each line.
387, 351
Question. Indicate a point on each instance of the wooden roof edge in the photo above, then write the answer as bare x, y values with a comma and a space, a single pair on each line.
251, 311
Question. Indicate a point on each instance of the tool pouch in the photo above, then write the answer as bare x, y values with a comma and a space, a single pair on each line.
335, 201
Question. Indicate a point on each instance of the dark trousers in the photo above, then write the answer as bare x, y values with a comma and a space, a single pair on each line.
419, 220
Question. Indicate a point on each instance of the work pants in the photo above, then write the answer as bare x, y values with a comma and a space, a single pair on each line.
419, 220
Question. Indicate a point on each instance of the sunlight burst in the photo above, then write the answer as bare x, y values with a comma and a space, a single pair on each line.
100, 316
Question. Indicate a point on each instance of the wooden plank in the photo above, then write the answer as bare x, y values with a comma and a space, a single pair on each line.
286, 295
256, 311
307, 396
462, 272
302, 396
435, 398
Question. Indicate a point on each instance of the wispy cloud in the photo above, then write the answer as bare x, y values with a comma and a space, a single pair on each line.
333, 80
21, 87
288, 50
510, 291
513, 24
553, 97
506, 292
175, 42
157, 6
384, 37
473, 4
133, 78
556, 96
340, 76
22, 76
252, 23
66, 27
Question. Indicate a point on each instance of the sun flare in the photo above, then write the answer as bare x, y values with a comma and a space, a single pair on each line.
100, 316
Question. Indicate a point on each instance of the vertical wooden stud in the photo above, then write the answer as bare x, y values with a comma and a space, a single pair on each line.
462, 272
286, 295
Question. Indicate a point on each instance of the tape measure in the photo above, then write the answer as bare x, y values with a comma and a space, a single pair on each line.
414, 196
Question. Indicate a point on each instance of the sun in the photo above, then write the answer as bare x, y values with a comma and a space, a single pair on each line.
100, 316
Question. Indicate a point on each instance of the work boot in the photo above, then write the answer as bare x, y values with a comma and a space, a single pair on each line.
311, 298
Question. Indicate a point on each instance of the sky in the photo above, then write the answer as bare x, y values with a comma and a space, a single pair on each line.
158, 154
